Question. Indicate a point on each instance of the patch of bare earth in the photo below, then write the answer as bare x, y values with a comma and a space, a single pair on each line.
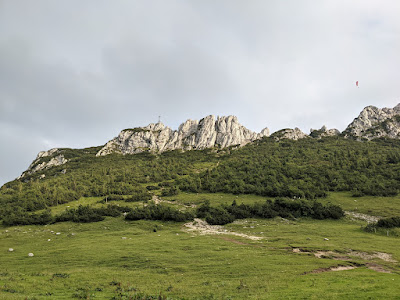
364, 217
158, 200
348, 256
377, 268
202, 227
335, 268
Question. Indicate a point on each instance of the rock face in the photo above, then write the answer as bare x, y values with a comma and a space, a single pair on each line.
45, 160
288, 133
191, 135
323, 132
375, 122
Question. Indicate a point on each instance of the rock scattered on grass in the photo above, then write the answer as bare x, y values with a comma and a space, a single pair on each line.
30, 254
10, 249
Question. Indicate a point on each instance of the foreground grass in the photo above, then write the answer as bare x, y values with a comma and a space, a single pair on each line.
120, 259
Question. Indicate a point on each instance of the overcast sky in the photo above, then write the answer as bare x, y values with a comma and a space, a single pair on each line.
74, 73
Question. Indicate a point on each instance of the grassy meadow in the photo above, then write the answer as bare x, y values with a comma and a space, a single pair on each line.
116, 259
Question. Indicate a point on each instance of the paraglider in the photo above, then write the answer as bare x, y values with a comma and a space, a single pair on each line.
357, 83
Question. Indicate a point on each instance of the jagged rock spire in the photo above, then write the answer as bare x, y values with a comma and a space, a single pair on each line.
192, 134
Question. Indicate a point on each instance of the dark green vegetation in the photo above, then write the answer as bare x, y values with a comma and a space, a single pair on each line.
225, 214
307, 168
383, 225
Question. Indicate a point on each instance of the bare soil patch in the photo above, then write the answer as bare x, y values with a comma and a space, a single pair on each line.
377, 268
203, 228
347, 256
158, 200
330, 269
364, 217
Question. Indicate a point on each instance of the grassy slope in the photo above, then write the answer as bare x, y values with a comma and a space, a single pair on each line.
97, 261
377, 206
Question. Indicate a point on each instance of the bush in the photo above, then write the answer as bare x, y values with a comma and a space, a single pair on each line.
83, 214
172, 191
23, 218
159, 212
112, 197
285, 208
112, 210
219, 216
140, 194
389, 222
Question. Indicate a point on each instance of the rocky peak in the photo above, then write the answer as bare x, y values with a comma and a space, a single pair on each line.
192, 134
375, 122
155, 126
289, 133
323, 132
45, 160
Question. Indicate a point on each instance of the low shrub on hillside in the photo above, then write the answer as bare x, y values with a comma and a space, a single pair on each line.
140, 194
112, 197
23, 218
87, 214
112, 210
171, 191
159, 212
389, 222
284, 208
82, 214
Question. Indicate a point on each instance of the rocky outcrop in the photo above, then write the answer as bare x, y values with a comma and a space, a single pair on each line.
45, 160
375, 122
323, 132
191, 135
289, 133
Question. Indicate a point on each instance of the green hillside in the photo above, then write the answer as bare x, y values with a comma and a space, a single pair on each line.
129, 229
308, 168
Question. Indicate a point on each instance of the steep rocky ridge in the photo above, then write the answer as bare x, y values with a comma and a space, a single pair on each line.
223, 132
45, 160
191, 135
323, 132
289, 133
375, 122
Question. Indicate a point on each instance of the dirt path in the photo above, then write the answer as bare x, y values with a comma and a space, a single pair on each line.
203, 228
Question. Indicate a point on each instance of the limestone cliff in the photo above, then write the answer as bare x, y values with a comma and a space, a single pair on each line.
45, 160
375, 122
289, 133
323, 132
191, 135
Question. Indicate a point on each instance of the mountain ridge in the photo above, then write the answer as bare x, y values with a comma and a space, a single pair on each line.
223, 132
